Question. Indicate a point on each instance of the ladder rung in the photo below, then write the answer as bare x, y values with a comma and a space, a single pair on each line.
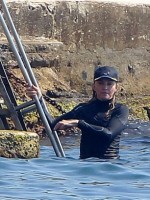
24, 105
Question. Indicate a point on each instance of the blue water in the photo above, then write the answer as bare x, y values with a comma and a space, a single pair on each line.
51, 178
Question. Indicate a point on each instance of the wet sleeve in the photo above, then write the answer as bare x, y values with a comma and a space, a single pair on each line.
53, 122
73, 114
116, 124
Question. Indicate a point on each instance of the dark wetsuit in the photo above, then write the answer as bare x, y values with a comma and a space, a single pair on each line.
100, 131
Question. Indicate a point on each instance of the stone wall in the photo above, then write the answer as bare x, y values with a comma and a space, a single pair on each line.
74, 37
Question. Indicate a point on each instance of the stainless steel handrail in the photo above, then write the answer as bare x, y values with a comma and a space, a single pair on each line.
29, 77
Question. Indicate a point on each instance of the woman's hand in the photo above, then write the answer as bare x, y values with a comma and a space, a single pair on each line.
65, 124
32, 91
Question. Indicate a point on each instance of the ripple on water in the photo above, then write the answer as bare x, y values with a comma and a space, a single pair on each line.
49, 177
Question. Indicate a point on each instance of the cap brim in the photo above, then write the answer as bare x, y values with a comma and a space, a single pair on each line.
114, 79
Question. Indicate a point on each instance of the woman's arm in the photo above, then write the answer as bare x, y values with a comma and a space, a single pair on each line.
65, 124
68, 120
116, 125
64, 121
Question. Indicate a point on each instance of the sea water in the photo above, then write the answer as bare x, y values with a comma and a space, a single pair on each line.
51, 178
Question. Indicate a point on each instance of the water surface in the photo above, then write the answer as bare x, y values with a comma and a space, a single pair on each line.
51, 178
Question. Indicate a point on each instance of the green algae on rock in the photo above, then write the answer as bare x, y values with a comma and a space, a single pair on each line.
19, 144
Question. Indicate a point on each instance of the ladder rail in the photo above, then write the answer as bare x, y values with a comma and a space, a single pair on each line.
52, 135
11, 94
10, 105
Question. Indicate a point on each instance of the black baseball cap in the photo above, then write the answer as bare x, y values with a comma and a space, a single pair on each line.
106, 72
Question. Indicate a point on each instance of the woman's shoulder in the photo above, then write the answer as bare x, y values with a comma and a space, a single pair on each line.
121, 107
121, 111
80, 105
83, 106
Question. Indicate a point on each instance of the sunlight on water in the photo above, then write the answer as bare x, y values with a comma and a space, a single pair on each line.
49, 177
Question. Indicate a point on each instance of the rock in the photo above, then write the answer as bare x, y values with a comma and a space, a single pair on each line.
72, 37
53, 94
147, 111
19, 144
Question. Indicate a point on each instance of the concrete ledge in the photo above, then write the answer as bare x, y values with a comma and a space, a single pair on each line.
19, 144
83, 24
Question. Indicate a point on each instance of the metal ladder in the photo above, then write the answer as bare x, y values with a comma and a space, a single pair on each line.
10, 101
5, 89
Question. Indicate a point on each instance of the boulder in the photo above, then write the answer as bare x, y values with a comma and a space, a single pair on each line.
19, 144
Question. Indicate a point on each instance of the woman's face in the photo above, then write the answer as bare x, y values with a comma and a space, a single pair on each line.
105, 88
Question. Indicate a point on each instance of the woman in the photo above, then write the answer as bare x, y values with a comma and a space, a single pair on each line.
101, 120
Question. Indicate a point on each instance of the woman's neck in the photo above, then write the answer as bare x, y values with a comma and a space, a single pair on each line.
105, 100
